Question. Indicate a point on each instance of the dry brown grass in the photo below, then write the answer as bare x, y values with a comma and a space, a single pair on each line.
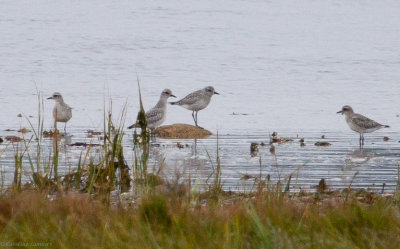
171, 219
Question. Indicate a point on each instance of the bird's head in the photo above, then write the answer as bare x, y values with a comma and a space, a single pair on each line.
346, 110
56, 96
166, 93
210, 90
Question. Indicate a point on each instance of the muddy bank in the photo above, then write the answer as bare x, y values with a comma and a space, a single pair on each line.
182, 131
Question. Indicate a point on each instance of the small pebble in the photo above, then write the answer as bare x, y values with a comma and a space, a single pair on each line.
24, 130
386, 139
245, 177
92, 132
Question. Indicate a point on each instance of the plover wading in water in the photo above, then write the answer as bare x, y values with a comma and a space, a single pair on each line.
196, 101
156, 115
61, 111
360, 123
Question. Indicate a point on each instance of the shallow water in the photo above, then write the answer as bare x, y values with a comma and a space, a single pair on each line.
288, 65
343, 164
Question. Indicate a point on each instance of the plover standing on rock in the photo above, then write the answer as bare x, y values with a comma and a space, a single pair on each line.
61, 111
196, 101
360, 123
156, 115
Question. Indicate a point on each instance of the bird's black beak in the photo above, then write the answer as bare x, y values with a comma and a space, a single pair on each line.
340, 112
50, 98
173, 95
217, 93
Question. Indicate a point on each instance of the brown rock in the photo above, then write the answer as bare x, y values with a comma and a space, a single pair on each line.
51, 134
24, 130
13, 139
183, 131
280, 140
322, 144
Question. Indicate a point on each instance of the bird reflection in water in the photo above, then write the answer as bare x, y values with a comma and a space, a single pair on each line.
357, 158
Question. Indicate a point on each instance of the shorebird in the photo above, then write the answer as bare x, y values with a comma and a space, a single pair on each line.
360, 123
156, 115
196, 101
61, 111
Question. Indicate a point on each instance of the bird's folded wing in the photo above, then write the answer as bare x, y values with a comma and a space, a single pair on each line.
154, 115
364, 122
68, 107
190, 98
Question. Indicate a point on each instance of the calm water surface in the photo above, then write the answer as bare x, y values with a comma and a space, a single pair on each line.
288, 65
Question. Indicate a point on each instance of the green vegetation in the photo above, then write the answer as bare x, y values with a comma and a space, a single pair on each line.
101, 204
176, 218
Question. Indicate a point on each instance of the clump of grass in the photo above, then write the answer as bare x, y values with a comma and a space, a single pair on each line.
44, 171
141, 144
102, 176
160, 219
144, 181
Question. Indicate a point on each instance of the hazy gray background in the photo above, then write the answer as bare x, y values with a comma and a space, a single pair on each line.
289, 65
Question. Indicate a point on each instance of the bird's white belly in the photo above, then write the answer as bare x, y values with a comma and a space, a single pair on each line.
199, 105
371, 130
62, 114
353, 126
156, 123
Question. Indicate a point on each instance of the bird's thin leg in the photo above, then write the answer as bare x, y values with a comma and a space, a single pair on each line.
196, 122
65, 128
194, 118
363, 139
360, 140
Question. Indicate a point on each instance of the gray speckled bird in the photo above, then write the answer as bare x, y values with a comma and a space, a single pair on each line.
360, 123
61, 111
196, 101
156, 115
